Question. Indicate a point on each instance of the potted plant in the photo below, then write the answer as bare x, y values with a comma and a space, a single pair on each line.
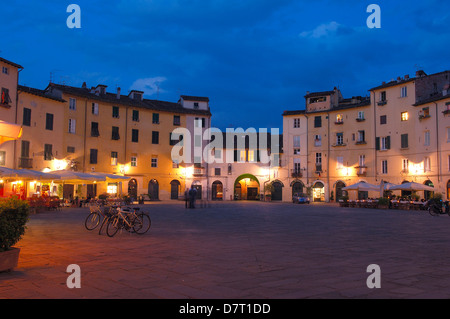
268, 190
13, 218
383, 203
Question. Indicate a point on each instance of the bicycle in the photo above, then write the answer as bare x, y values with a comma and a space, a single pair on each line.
436, 209
98, 214
129, 219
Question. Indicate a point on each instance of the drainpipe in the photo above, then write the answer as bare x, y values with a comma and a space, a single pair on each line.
437, 144
328, 157
16, 118
375, 133
85, 135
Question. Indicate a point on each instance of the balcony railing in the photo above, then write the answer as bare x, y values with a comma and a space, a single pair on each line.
199, 172
295, 173
25, 162
361, 170
318, 168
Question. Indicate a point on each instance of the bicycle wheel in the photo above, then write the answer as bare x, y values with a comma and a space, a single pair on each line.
114, 223
432, 211
92, 221
142, 224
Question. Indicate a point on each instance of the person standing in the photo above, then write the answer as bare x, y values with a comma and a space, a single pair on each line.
192, 196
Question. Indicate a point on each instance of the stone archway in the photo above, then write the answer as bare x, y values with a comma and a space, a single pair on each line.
153, 189
339, 192
217, 190
132, 189
277, 193
174, 189
246, 187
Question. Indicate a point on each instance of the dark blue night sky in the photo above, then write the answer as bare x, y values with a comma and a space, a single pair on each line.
252, 58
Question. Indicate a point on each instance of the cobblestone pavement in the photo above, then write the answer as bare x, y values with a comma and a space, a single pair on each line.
237, 250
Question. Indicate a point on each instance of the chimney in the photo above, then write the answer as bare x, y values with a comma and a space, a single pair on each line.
118, 93
407, 77
445, 90
399, 79
84, 86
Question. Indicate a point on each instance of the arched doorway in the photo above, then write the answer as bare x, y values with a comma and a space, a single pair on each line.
174, 189
448, 190
277, 193
153, 189
318, 192
297, 187
217, 190
427, 195
132, 189
339, 192
406, 193
246, 187
198, 186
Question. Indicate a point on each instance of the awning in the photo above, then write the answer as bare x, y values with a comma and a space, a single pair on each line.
111, 177
25, 174
9, 132
71, 177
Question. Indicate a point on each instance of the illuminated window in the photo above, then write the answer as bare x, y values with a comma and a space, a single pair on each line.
405, 116
339, 118
133, 161
114, 158
112, 188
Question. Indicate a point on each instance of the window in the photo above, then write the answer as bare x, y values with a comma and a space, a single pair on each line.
383, 143
70, 149
5, 96
2, 158
115, 112
217, 171
318, 140
230, 169
296, 123
49, 121
426, 164
134, 136
94, 129
383, 119
383, 96
404, 92
339, 138
424, 113
72, 126
362, 161
155, 137
217, 153
26, 117
404, 141
318, 162
318, 99
197, 141
196, 106
384, 167
339, 162
404, 116
426, 138
339, 119
5, 70
155, 118
115, 133
154, 161
133, 161
135, 116
297, 166
72, 104
93, 156
318, 121
297, 144
360, 116
176, 120
48, 152
251, 156
448, 134
25, 152
114, 156
95, 108
361, 137
405, 165
199, 122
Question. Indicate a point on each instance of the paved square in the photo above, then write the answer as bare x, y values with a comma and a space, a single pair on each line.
238, 250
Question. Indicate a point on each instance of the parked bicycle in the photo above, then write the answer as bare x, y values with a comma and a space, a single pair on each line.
99, 213
438, 208
130, 219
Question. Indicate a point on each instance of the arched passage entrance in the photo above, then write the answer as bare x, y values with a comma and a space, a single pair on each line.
318, 192
277, 193
428, 194
297, 187
246, 187
448, 190
198, 186
153, 189
217, 190
132, 189
339, 192
174, 189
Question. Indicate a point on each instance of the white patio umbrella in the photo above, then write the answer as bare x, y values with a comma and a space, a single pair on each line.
362, 186
72, 177
412, 186
9, 132
112, 177
25, 174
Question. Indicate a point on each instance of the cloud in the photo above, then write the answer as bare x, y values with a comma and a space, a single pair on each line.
322, 30
149, 86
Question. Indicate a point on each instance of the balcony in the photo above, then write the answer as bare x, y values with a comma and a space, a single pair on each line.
318, 168
25, 162
361, 170
382, 102
339, 122
295, 173
360, 119
198, 172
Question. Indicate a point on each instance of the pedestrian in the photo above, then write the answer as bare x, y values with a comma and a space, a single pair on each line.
186, 198
192, 196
